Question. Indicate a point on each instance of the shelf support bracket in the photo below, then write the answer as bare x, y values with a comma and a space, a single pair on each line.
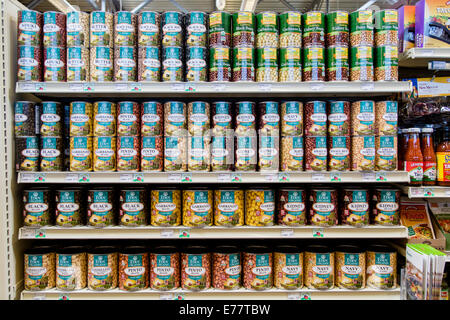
288, 5
139, 7
33, 4
94, 4
180, 7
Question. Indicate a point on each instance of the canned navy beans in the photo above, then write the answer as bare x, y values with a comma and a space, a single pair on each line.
54, 64
151, 119
243, 64
244, 25
29, 27
196, 28
219, 64
54, 29
29, 65
27, 153
219, 29
125, 68
51, 119
196, 64
77, 64
124, 28
172, 61
25, 113
149, 65
337, 28
51, 153
313, 29
128, 118
172, 28
149, 23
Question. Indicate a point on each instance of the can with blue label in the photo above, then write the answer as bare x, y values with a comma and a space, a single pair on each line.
269, 153
292, 207
128, 152
36, 207
152, 121
291, 156
246, 156
54, 29
199, 153
221, 118
124, 28
128, 118
101, 26
133, 207
81, 123
198, 207
100, 211
81, 154
196, 64
175, 119
149, 64
198, 115
222, 153
172, 64
149, 24
104, 118
51, 119
51, 149
196, 28
245, 118
291, 118
229, 207
25, 113
77, 29
260, 207
27, 153
172, 28
29, 64
101, 67
152, 157
125, 68
54, 64
69, 207
175, 153
29, 27
39, 267
269, 118
165, 207
104, 150
77, 64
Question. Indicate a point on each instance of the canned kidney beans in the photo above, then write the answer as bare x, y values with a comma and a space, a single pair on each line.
337, 28
51, 153
323, 207
149, 28
149, 66
196, 64
36, 207
25, 118
313, 29
221, 117
313, 64
219, 29
355, 207
291, 207
243, 64
337, 64
55, 64
172, 61
172, 28
29, 63
29, 27
219, 64
196, 24
243, 29
128, 118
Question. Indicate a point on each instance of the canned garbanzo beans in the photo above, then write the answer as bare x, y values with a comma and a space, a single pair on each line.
149, 28
165, 207
267, 64
104, 118
386, 205
228, 207
267, 29
361, 28
288, 267
313, 29
152, 119
100, 211
104, 150
339, 149
195, 23
291, 153
51, 119
291, 207
381, 267
133, 268
51, 153
152, 153
128, 152
81, 118
172, 28
197, 207
81, 154
257, 268
175, 153
259, 207
219, 64
243, 64
339, 118
39, 268
36, 207
356, 207
319, 267
195, 268
290, 29
337, 64
337, 28
323, 207
164, 268
350, 267
133, 207
290, 65
313, 64
386, 63
291, 118
71, 268
27, 153
125, 68
226, 268
172, 64
128, 118
69, 207
102, 268
196, 64
244, 25
361, 63
219, 29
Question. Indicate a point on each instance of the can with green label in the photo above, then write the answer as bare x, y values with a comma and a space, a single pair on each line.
313, 64
219, 64
219, 29
244, 24
267, 64
361, 28
361, 63
386, 63
313, 29
337, 28
290, 65
267, 29
290, 29
337, 63
386, 27
243, 63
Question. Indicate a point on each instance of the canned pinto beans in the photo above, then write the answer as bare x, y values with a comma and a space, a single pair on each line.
128, 151
196, 268
244, 25
172, 28
323, 207
226, 268
100, 211
128, 116
313, 64
172, 64
291, 153
27, 153
36, 209
219, 64
356, 207
133, 208
102, 268
243, 64
29, 27
152, 153
291, 207
39, 268
197, 207
164, 268
290, 65
133, 268
350, 267
29, 63
196, 28
199, 153
381, 267
313, 29
219, 29
229, 207
257, 268
290, 29
319, 267
68, 211
288, 267
149, 65
259, 207
361, 28
165, 207
386, 63
337, 28
196, 64
267, 27
152, 121
149, 23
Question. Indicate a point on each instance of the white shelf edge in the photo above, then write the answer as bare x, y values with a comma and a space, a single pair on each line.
211, 294
419, 57
424, 192
245, 232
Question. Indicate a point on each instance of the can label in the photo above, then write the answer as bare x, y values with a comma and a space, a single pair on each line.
290, 58
102, 64
386, 57
125, 30
55, 68
361, 20
29, 30
148, 29
337, 22
294, 206
52, 32
151, 121
126, 63
68, 209
291, 22
151, 65
76, 67
128, 153
196, 29
127, 118
104, 153
76, 36
339, 153
386, 20
132, 209
338, 119
80, 153
196, 66
267, 57
219, 58
313, 58
50, 119
267, 22
104, 119
386, 152
337, 58
172, 64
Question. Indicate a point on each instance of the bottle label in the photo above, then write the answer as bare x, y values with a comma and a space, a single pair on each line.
443, 166
415, 170
429, 171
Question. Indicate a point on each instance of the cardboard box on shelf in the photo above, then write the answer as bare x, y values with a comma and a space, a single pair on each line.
432, 26
440, 210
414, 215
406, 27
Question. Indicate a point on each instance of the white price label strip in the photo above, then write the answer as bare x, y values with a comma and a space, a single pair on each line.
71, 177
39, 296
447, 193
316, 86
121, 87
367, 86
178, 87
167, 234
293, 296
166, 296
76, 87
126, 177
224, 177
271, 177
416, 192
27, 233
174, 177
219, 87
27, 86
318, 177
27, 177
287, 233
368, 176
265, 87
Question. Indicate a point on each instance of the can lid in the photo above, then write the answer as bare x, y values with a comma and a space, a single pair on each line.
226, 249
287, 249
349, 249
318, 249
164, 250
381, 248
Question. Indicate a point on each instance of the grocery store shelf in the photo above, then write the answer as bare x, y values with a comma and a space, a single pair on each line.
244, 232
419, 57
209, 89
427, 192
214, 294
214, 177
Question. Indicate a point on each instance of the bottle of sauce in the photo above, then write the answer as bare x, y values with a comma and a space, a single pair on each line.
429, 157
443, 159
413, 157
403, 143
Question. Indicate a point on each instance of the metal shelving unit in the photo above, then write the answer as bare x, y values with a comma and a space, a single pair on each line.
420, 57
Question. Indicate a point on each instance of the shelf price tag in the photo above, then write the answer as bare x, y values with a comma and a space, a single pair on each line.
126, 177
236, 177
316, 177
138, 177
184, 233
76, 87
381, 177
166, 233
367, 86
135, 87
23, 86
284, 177
287, 233
266, 87
318, 233
88, 87
174, 177
271, 177
121, 87
316, 86
335, 177
447, 193
27, 233
219, 87
84, 177
26, 177
305, 296
166, 296
368, 176
293, 296
428, 192
178, 87
417, 192
39, 296
186, 177
224, 177
41, 86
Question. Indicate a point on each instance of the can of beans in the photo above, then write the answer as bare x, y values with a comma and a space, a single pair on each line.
149, 28
104, 151
128, 118
81, 158
350, 267
221, 117
27, 153
337, 64
363, 153
385, 206
355, 207
29, 28
291, 207
152, 119
77, 64
290, 65
323, 207
313, 29
291, 118
386, 27
71, 268
124, 28
77, 29
152, 153
25, 123
101, 25
175, 153
245, 118
39, 268
128, 152
105, 118
164, 268
55, 64
125, 68
229, 207
133, 268
222, 153
363, 118
386, 153
51, 153
339, 118
267, 64
260, 207
165, 207
386, 63
219, 29
246, 156
361, 67
132, 209
149, 66
101, 64
81, 122
172, 28
288, 267
36, 207
386, 118
198, 207
257, 267
361, 28
244, 24
290, 29
173, 66
226, 268
381, 267
243, 64
54, 29
29, 63
196, 64
102, 268
337, 28
219, 64
313, 64
69, 207
100, 211
269, 118
175, 118
198, 115
267, 34
339, 153
196, 23
316, 153
195, 268
291, 153
316, 118
268, 153
199, 153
